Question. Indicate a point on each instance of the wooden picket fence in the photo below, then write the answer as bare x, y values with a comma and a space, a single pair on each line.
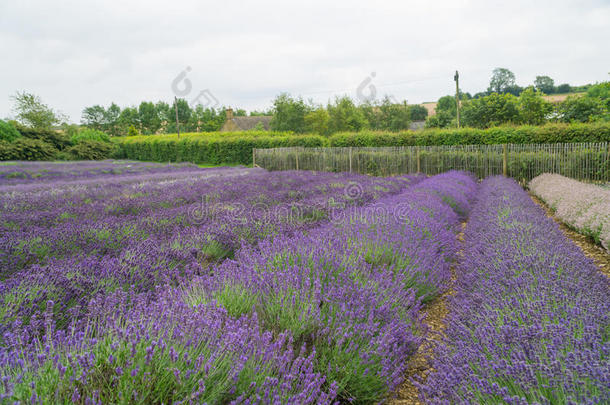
582, 161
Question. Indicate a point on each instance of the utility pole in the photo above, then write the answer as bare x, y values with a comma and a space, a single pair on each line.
457, 95
176, 108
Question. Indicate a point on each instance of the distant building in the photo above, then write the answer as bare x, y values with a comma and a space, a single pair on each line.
233, 124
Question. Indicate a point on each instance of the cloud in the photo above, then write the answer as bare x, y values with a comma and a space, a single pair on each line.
76, 54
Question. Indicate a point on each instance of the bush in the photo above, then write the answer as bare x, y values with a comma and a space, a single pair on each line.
7, 151
550, 133
210, 148
32, 149
57, 139
8, 132
88, 149
87, 134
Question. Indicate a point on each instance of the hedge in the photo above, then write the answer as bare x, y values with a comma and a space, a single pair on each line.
211, 148
551, 133
236, 147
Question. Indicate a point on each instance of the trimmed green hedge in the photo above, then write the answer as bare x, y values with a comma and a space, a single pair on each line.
211, 148
552, 133
236, 147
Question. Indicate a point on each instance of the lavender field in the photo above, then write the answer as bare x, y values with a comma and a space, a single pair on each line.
126, 282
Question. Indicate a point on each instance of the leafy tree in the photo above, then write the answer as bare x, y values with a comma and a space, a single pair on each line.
602, 92
206, 119
317, 121
442, 119
94, 117
129, 117
446, 113
111, 120
149, 118
394, 117
289, 114
184, 116
418, 112
32, 112
502, 80
240, 112
345, 116
533, 109
581, 109
495, 109
8, 132
545, 84
564, 88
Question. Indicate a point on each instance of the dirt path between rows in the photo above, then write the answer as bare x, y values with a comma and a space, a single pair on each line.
590, 249
435, 314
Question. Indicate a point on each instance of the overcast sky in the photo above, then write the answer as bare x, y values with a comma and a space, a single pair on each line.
75, 54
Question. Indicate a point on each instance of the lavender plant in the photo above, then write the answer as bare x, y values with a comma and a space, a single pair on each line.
584, 207
136, 289
529, 322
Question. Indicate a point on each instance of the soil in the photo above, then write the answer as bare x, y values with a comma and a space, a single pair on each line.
435, 314
589, 248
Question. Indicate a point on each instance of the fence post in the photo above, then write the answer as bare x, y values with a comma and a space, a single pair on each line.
350, 159
296, 156
418, 160
253, 158
504, 160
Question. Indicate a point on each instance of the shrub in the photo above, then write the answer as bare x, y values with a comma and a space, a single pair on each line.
87, 134
8, 132
550, 133
211, 148
33, 149
7, 151
57, 139
91, 150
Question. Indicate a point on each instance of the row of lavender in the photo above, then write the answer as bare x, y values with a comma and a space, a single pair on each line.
529, 322
304, 317
30, 172
67, 242
584, 207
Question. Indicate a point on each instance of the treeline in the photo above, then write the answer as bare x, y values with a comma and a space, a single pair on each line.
528, 108
154, 118
236, 148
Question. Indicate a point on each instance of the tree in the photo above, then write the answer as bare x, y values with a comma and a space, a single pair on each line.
345, 116
602, 92
446, 113
94, 117
394, 117
564, 88
289, 114
128, 118
207, 119
317, 121
545, 84
418, 112
149, 118
495, 109
111, 120
533, 109
501, 80
32, 112
581, 109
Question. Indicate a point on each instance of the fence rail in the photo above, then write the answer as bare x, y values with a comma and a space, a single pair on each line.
582, 161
